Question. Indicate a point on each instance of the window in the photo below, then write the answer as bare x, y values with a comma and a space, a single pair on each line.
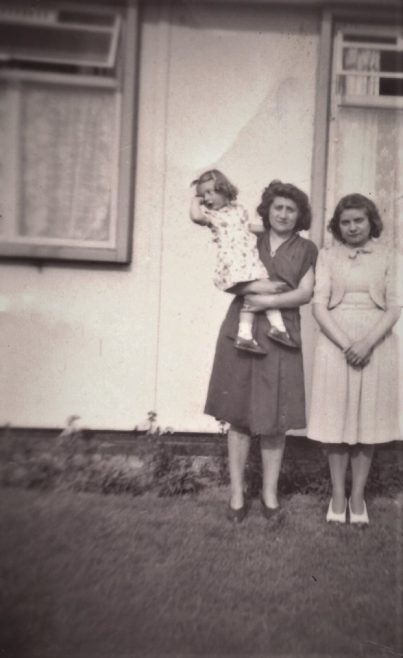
67, 79
366, 122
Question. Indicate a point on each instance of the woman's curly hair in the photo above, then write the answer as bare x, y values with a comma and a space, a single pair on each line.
359, 202
221, 183
288, 191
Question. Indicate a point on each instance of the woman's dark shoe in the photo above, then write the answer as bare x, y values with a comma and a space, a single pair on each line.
281, 337
237, 515
269, 512
249, 345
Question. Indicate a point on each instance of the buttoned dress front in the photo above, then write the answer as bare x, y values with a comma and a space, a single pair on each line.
263, 394
355, 405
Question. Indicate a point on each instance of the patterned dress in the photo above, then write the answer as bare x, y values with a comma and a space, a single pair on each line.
263, 395
355, 405
237, 255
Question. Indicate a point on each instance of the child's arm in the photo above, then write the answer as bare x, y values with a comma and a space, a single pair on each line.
198, 212
257, 227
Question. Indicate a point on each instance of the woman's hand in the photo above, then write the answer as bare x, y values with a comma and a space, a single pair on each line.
257, 303
260, 287
359, 353
267, 287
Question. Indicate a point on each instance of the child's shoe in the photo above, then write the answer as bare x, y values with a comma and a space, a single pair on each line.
281, 337
249, 345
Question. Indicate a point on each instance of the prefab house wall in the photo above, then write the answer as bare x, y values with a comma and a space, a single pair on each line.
219, 85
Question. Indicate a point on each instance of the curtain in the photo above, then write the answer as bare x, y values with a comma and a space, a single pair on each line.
369, 159
67, 161
365, 60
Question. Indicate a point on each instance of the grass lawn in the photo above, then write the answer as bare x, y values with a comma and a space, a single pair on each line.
94, 576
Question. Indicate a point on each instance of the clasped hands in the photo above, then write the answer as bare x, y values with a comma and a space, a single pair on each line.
358, 354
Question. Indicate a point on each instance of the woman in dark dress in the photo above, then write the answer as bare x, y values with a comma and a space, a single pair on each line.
263, 395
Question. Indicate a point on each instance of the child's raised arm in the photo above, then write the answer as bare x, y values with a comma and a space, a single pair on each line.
198, 212
257, 227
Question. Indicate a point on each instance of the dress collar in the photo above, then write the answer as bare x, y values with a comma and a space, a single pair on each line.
352, 252
266, 238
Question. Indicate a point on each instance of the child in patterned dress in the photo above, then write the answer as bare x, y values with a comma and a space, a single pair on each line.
214, 205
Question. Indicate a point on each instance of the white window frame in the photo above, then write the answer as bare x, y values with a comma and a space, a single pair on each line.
118, 248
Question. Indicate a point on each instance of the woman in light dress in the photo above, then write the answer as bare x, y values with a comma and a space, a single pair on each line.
355, 379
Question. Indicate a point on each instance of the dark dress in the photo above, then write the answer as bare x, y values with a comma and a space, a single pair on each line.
263, 395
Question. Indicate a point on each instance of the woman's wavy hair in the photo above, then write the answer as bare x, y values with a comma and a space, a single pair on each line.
356, 201
221, 183
288, 191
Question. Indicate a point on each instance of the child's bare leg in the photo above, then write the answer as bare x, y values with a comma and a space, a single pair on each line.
276, 319
245, 326
245, 339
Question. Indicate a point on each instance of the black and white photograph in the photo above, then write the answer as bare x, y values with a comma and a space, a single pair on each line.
201, 283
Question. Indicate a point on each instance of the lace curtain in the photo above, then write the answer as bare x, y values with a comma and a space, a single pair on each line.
369, 159
66, 142
365, 60
67, 163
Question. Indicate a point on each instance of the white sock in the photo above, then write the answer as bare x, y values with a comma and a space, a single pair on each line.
276, 319
245, 330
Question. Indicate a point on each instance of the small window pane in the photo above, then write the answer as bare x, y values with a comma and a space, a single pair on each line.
49, 43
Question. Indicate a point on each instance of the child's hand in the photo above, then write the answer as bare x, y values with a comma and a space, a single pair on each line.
198, 211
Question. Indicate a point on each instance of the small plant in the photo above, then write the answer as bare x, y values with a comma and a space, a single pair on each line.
180, 481
222, 427
152, 423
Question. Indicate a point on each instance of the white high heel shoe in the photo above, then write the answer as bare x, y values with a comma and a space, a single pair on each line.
336, 517
358, 519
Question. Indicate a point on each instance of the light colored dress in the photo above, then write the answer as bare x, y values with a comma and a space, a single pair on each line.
355, 405
237, 255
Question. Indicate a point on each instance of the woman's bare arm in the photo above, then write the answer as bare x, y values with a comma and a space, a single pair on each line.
259, 287
291, 299
329, 327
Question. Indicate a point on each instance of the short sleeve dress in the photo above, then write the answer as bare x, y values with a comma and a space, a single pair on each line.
355, 405
263, 394
237, 254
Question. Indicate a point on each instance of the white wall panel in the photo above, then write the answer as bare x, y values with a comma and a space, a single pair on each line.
220, 85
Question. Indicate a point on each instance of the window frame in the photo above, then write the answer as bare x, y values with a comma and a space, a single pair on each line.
121, 250
324, 115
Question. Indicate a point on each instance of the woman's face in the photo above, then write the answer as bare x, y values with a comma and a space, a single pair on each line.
283, 215
355, 227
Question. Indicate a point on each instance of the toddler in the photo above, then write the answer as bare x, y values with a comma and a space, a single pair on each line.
237, 256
